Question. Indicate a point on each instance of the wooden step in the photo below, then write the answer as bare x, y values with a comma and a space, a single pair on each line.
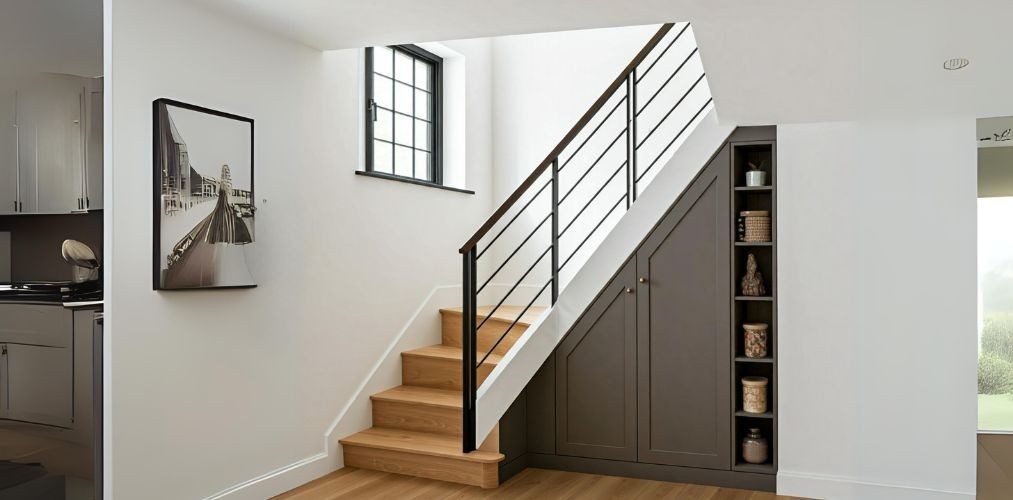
435, 456
421, 409
493, 329
439, 367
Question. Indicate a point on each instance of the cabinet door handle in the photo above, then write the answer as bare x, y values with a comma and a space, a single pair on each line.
642, 279
629, 290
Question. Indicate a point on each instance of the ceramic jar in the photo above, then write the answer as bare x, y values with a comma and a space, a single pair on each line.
754, 394
754, 343
755, 449
756, 178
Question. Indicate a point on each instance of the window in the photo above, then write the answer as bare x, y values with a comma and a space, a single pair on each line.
403, 93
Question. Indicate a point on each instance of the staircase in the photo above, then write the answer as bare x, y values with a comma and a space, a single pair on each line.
429, 426
417, 426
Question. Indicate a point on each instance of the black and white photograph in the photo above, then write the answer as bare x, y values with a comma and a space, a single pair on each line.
204, 205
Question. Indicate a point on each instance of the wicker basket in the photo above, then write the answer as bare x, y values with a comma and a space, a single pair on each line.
757, 225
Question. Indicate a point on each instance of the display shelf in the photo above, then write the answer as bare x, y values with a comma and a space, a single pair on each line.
754, 309
767, 468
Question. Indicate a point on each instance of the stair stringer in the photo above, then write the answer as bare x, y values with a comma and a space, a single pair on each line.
514, 372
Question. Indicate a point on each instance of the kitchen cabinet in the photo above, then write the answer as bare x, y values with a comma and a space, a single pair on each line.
52, 152
39, 383
37, 364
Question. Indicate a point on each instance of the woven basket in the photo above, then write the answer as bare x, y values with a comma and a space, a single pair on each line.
757, 225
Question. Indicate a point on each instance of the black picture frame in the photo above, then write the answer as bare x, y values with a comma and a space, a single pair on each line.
157, 186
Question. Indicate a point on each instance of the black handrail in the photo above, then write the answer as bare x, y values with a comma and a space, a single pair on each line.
629, 79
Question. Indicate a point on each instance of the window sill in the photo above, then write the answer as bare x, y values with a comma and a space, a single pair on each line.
408, 180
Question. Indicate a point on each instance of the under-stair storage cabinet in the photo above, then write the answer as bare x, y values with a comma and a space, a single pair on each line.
596, 369
644, 383
683, 316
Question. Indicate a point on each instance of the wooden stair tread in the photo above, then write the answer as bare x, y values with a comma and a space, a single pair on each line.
426, 396
449, 352
421, 443
505, 314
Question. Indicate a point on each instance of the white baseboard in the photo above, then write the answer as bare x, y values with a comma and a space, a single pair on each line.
422, 329
845, 488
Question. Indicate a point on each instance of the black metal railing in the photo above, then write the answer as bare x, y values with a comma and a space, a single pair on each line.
664, 131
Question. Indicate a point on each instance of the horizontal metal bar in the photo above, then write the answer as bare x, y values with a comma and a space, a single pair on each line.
519, 281
613, 209
402, 113
511, 327
602, 188
385, 141
642, 174
662, 54
589, 136
589, 169
402, 82
518, 214
505, 262
669, 79
663, 118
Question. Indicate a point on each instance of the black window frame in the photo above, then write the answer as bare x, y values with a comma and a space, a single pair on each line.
435, 62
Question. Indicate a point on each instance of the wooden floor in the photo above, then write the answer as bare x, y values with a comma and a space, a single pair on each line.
530, 483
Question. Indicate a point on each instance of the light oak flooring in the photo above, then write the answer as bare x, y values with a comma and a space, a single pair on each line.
528, 484
995, 466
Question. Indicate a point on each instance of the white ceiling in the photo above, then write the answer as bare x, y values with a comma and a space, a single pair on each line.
57, 36
771, 61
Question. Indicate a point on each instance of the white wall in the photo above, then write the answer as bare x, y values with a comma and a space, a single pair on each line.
877, 307
214, 388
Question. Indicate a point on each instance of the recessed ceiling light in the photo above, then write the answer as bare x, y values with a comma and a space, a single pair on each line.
955, 63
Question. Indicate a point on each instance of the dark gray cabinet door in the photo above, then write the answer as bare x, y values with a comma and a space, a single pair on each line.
683, 311
596, 405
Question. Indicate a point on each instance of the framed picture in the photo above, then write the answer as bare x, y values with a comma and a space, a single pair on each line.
203, 198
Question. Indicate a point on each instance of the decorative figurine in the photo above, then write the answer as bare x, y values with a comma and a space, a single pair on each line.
752, 282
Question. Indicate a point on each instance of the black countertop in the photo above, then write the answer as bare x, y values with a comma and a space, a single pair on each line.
52, 292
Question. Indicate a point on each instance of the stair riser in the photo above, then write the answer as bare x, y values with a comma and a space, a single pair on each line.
416, 417
485, 475
490, 332
439, 373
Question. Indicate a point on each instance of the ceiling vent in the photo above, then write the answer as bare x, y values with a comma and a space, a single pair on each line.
955, 63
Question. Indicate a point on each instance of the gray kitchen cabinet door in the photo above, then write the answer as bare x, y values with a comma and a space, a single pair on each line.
683, 325
596, 392
8, 149
94, 147
40, 384
51, 143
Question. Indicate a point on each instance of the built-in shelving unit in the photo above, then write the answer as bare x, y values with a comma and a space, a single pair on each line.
750, 309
